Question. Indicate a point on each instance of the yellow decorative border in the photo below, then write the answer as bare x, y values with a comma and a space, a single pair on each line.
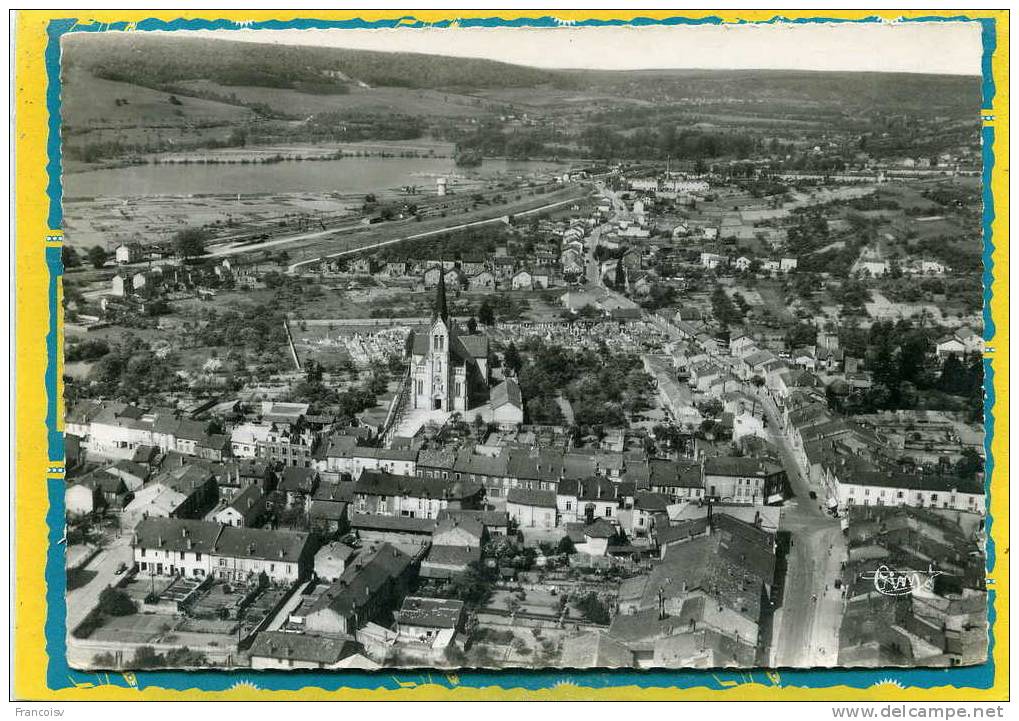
32, 318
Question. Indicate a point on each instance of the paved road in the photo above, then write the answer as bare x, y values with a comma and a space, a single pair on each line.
238, 248
82, 600
806, 626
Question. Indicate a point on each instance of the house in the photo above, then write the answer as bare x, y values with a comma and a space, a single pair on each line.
431, 276
961, 342
598, 536
588, 500
332, 560
412, 496
454, 278
532, 508
433, 622
111, 490
456, 544
247, 509
522, 280
713, 260
740, 346
396, 269
246, 437
366, 591
717, 580
494, 523
507, 404
472, 267
328, 513
403, 531
298, 485
595, 649
444, 562
854, 486
458, 530
283, 651
128, 253
182, 547
676, 480
739, 479
184, 491
363, 266
483, 280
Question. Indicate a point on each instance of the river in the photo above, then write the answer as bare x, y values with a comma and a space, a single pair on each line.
347, 175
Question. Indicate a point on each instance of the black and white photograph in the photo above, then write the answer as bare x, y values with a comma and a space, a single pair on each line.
524, 348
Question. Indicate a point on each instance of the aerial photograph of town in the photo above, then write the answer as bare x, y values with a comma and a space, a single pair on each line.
383, 358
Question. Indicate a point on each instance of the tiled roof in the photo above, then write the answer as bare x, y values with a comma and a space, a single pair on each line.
528, 497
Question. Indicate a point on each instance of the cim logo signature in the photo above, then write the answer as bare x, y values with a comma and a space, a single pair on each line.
890, 582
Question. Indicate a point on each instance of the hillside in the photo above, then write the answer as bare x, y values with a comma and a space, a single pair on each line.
158, 61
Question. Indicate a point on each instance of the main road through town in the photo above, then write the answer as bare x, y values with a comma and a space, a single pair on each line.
807, 623
806, 626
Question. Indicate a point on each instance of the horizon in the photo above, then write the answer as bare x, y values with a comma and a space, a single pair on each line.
943, 48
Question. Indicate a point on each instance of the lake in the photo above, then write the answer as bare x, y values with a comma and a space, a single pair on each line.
347, 175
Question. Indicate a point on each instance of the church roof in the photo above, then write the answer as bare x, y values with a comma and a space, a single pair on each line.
473, 346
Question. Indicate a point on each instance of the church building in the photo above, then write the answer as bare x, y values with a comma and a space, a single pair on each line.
448, 368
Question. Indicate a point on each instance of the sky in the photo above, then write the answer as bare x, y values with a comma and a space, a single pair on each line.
937, 47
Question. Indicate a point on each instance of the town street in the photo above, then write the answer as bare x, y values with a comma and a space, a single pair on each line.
82, 600
806, 625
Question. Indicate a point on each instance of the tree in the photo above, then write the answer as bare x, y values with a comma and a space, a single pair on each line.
970, 464
472, 325
313, 371
594, 609
146, 657
70, 257
486, 314
185, 658
512, 359
190, 242
565, 545
97, 256
114, 602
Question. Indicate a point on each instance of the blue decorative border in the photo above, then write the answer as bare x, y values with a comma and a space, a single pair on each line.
59, 673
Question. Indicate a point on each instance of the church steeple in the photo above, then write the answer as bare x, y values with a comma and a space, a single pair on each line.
441, 310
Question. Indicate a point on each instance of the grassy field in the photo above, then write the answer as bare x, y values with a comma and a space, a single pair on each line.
362, 100
98, 111
89, 102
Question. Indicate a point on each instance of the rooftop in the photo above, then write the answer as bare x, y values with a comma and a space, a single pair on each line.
431, 612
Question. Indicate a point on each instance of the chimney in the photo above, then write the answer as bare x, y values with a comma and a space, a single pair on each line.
190, 544
281, 553
757, 518
159, 540
184, 532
